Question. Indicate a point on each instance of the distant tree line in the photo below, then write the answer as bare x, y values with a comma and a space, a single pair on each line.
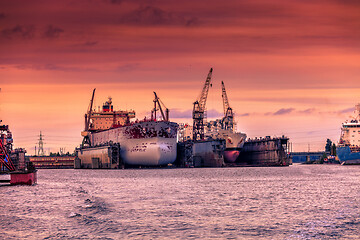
330, 147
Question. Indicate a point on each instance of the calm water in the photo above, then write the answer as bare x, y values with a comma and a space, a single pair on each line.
296, 202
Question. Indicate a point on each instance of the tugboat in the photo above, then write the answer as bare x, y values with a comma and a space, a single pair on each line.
348, 150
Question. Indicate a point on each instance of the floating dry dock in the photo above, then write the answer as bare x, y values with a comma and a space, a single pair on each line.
207, 153
107, 156
265, 152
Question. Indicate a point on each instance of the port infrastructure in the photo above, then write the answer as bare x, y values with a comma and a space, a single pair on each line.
199, 110
5, 158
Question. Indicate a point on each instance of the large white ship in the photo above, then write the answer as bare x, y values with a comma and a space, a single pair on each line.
147, 143
348, 150
150, 142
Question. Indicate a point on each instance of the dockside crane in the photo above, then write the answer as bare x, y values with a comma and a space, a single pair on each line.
86, 133
157, 106
5, 147
5, 159
228, 119
199, 110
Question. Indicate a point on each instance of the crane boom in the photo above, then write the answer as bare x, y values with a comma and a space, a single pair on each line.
86, 133
158, 102
204, 93
228, 119
199, 110
225, 98
89, 111
5, 158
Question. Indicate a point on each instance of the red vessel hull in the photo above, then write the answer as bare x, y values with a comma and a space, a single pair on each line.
230, 156
23, 178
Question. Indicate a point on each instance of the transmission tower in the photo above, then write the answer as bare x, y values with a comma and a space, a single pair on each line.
41, 145
62, 151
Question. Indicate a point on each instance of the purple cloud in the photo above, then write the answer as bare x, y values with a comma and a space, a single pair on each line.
150, 15
347, 110
212, 113
52, 32
19, 31
175, 113
116, 1
90, 43
283, 111
307, 111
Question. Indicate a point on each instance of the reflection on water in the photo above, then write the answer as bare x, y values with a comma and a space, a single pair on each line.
296, 202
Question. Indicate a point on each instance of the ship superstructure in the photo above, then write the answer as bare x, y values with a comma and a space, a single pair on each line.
106, 117
350, 130
348, 150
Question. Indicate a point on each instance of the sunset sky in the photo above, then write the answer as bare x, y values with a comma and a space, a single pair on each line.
290, 67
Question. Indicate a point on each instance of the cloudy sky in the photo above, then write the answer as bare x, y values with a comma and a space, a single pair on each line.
290, 67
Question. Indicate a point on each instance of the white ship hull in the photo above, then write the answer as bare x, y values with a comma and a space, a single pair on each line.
149, 152
146, 143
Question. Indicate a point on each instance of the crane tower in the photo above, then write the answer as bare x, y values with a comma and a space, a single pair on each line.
199, 110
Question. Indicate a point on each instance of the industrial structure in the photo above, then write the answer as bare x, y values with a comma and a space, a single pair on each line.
199, 110
114, 139
265, 152
14, 161
6, 148
216, 140
218, 129
85, 133
228, 119
41, 145
63, 161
